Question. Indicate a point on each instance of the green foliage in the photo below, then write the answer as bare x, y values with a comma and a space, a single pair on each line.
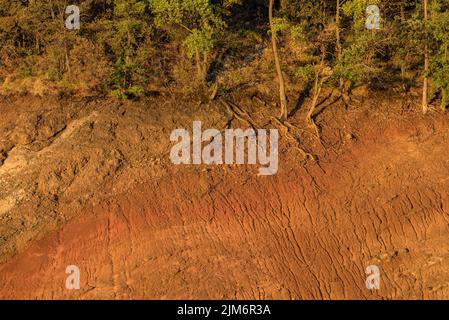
439, 26
126, 48
200, 23
356, 9
200, 19
199, 41
306, 73
359, 61
126, 37
281, 24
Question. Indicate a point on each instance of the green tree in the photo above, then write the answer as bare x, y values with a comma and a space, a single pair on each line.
126, 37
439, 61
198, 22
358, 58
277, 62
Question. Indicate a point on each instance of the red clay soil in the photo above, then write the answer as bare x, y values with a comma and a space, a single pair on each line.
378, 198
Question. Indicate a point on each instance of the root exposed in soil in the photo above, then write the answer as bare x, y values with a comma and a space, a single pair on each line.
90, 185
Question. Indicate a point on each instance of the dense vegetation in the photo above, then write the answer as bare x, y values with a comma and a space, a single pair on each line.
129, 48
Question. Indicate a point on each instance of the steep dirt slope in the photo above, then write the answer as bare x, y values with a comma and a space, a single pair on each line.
379, 196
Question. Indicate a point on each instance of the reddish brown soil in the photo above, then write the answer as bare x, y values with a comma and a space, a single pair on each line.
378, 196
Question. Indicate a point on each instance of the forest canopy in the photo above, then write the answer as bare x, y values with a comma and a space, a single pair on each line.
129, 48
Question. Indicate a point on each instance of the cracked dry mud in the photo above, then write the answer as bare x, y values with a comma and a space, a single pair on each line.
90, 184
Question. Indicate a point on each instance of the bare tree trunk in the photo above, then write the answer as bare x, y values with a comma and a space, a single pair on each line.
67, 61
204, 68
198, 65
337, 30
316, 93
403, 62
320, 77
444, 99
338, 49
425, 107
282, 96
402, 10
